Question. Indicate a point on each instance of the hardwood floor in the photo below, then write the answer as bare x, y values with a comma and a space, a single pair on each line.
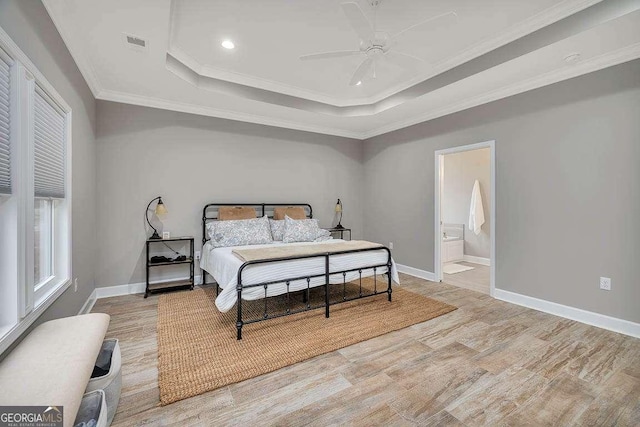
487, 363
478, 279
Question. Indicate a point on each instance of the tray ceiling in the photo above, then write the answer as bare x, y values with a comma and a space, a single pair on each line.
491, 49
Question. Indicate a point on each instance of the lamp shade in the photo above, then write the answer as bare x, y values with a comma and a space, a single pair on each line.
161, 208
339, 211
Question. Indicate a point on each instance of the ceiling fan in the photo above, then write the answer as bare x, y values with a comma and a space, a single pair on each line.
375, 45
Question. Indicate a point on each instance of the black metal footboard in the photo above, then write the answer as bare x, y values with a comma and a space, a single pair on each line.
327, 276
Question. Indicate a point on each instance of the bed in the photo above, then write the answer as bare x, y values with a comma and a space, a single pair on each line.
242, 274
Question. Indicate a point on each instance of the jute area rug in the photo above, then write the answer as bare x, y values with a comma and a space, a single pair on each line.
198, 350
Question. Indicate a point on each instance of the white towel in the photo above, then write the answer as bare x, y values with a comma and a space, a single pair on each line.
476, 212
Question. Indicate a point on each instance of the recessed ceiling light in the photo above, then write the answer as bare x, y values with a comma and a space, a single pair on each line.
359, 83
228, 44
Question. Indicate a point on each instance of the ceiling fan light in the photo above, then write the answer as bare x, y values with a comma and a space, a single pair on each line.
359, 83
228, 44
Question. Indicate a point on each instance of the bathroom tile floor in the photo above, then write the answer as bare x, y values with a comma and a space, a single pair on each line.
477, 279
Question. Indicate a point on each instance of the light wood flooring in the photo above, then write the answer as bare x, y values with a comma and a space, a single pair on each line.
478, 279
487, 363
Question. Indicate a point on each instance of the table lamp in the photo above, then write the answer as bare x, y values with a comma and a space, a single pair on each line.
339, 210
159, 210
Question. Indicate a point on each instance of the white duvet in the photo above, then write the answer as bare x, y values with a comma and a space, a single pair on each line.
223, 265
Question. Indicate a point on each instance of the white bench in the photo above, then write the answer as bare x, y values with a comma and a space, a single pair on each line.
53, 364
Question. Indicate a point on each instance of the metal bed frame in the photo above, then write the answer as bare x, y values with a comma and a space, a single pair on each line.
209, 213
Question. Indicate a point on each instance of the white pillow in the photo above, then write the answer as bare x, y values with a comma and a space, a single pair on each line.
300, 230
211, 227
323, 235
241, 232
277, 229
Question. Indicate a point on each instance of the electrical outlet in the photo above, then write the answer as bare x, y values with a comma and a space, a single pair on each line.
197, 254
605, 283
75, 285
390, 245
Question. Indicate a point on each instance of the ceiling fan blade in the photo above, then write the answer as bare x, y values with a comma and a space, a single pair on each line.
405, 60
358, 21
328, 55
449, 19
361, 71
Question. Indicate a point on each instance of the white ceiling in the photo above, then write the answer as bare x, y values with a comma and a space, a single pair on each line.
270, 35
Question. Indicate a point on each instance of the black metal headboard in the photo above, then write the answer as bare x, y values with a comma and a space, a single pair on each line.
210, 211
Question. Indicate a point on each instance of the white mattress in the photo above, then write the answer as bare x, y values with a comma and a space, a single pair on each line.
223, 265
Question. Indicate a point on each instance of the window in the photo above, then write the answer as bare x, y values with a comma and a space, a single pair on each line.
5, 117
49, 138
35, 201
43, 239
8, 309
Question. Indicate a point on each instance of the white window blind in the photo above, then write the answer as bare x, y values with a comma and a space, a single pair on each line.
49, 147
5, 117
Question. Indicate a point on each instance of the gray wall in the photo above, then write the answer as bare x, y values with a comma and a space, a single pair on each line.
460, 173
193, 160
28, 24
568, 196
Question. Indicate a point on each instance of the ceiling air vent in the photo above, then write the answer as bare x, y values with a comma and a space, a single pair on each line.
135, 42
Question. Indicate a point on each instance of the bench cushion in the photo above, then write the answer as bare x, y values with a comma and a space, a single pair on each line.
53, 364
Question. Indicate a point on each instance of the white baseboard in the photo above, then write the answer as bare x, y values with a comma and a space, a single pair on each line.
477, 260
88, 305
422, 274
130, 289
590, 318
119, 290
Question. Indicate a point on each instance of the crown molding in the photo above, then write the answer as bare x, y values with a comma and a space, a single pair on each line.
81, 60
591, 65
609, 59
163, 104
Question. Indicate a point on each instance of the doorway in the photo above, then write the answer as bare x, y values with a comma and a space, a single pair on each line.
465, 216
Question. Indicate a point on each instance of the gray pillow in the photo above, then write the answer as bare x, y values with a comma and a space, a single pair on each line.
323, 235
241, 232
211, 229
277, 229
300, 230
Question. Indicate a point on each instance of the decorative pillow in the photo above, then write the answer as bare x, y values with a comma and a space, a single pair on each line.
293, 212
241, 232
226, 213
300, 230
277, 229
323, 235
211, 228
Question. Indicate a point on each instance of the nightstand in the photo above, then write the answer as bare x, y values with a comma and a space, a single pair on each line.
340, 231
170, 285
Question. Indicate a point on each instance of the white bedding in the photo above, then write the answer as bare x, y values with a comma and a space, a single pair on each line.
223, 265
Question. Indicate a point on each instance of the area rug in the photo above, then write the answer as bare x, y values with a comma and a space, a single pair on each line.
455, 268
198, 350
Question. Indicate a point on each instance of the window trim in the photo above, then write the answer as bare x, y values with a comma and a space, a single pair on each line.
42, 287
25, 75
